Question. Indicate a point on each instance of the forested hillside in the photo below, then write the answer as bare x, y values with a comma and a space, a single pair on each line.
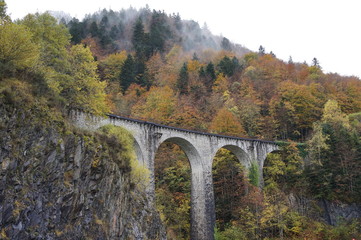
151, 65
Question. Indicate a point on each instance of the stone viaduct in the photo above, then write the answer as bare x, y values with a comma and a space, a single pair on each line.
200, 149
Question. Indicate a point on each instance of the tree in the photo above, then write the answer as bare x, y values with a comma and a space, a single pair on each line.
128, 73
290, 60
317, 145
332, 114
138, 39
76, 29
53, 38
195, 57
221, 84
17, 50
208, 76
4, 17
157, 105
159, 31
335, 158
82, 89
226, 44
94, 30
114, 32
229, 187
228, 66
295, 108
261, 51
111, 66
224, 122
183, 80
316, 63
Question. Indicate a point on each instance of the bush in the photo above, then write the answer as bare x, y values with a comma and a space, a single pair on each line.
139, 173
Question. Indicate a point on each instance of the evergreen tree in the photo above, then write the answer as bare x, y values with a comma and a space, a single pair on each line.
159, 31
208, 76
195, 57
202, 73
183, 80
76, 29
228, 66
141, 76
3, 15
138, 39
290, 60
94, 30
226, 44
128, 73
316, 63
114, 32
104, 23
103, 32
261, 51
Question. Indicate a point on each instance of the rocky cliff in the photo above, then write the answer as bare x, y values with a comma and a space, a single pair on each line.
332, 213
60, 183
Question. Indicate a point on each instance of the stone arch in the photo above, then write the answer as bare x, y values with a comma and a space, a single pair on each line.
243, 157
261, 173
200, 216
188, 148
138, 151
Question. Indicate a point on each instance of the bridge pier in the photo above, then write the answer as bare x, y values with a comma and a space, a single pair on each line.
202, 203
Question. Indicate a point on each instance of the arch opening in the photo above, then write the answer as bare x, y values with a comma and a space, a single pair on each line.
281, 168
172, 168
233, 192
138, 152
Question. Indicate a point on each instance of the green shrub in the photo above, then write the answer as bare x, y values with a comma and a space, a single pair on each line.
120, 136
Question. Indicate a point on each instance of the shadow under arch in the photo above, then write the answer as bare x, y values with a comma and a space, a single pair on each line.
240, 154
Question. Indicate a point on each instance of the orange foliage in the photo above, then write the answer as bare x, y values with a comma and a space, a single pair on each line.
226, 123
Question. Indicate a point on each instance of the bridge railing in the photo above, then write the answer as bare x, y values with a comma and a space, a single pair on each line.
189, 131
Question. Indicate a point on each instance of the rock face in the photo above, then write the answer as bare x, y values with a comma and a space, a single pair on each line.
322, 210
57, 183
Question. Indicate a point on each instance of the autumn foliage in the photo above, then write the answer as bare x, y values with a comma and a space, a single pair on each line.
149, 65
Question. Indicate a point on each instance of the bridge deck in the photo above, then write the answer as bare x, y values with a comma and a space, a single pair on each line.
187, 130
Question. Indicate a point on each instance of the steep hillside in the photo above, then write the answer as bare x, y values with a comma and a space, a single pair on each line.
57, 182
60, 183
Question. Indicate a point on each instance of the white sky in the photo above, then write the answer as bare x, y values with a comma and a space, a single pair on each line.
326, 29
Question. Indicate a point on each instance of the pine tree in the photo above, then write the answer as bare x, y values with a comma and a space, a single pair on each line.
261, 51
209, 76
138, 38
128, 73
159, 31
226, 44
183, 80
94, 30
114, 32
76, 29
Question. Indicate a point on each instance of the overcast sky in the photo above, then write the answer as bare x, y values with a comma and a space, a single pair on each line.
326, 29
